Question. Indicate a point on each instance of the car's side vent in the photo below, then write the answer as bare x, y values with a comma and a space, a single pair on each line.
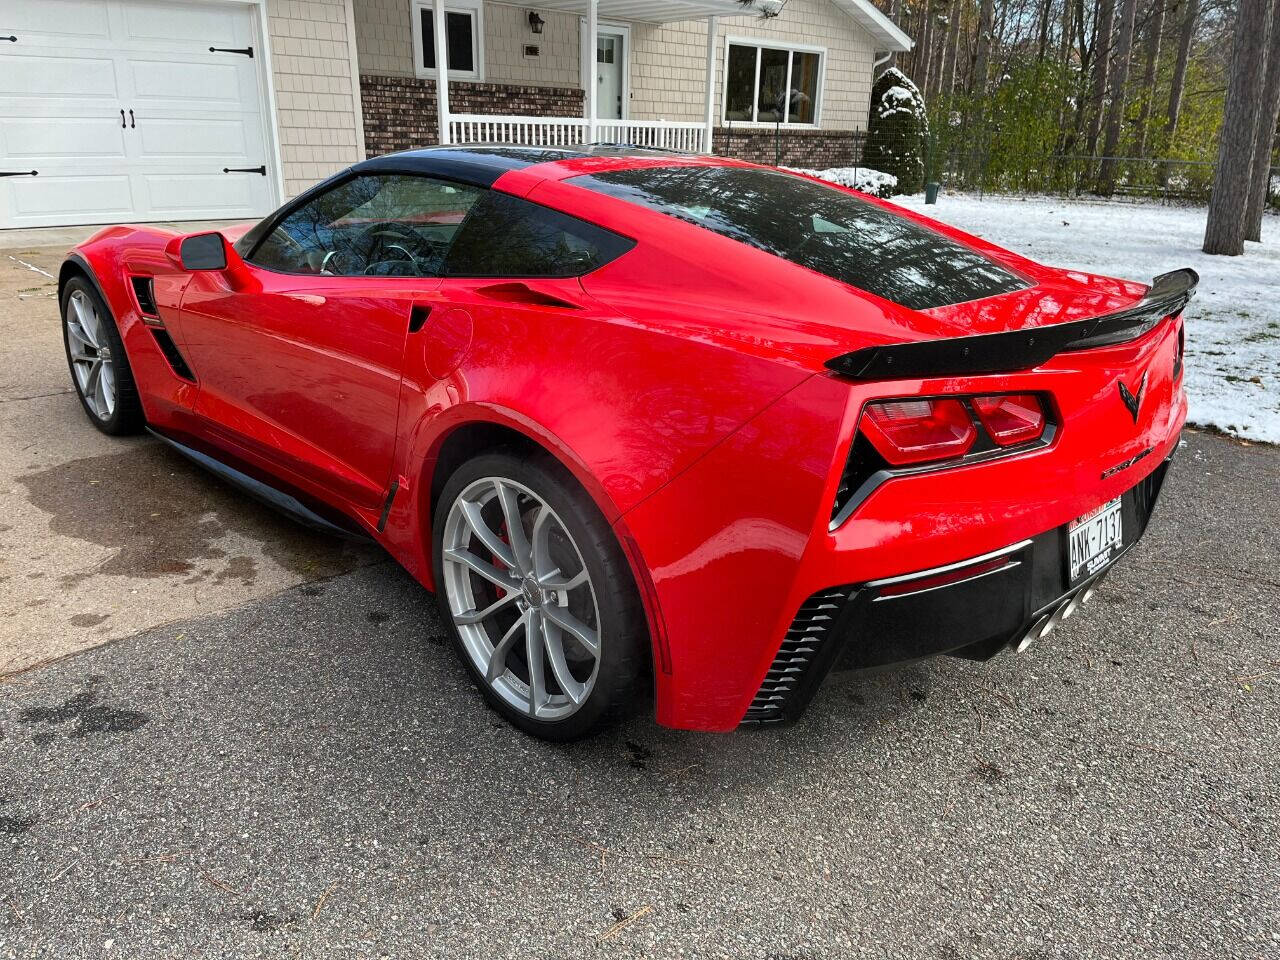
171, 353
805, 638
144, 292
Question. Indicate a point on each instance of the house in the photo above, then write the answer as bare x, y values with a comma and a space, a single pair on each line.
115, 110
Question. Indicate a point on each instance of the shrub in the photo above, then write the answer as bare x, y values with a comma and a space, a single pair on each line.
898, 131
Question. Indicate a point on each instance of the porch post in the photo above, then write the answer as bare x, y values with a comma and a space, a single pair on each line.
709, 145
589, 74
442, 71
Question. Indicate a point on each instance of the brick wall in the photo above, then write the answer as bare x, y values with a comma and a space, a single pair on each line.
316, 103
400, 112
813, 149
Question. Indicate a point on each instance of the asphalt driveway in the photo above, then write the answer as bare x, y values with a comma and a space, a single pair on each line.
309, 774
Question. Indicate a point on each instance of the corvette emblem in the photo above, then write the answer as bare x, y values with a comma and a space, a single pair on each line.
1132, 400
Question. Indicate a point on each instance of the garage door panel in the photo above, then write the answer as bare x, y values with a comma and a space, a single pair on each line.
221, 139
62, 138
49, 77
126, 114
55, 21
196, 85
221, 194
54, 199
178, 24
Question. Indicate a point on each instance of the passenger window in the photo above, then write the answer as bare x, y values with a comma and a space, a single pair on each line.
508, 237
377, 226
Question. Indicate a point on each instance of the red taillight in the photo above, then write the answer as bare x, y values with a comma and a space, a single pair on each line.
1011, 418
916, 431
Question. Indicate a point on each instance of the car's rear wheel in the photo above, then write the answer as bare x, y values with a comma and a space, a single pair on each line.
99, 367
537, 595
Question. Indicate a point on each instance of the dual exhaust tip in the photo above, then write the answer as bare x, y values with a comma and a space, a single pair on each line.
1063, 610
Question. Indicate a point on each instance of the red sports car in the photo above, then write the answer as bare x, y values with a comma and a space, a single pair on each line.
645, 420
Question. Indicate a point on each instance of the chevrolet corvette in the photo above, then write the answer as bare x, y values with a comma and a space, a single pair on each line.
653, 427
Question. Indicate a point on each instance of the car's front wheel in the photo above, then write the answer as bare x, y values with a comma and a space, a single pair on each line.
99, 366
537, 595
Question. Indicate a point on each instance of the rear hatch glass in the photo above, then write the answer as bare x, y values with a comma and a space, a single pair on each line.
817, 226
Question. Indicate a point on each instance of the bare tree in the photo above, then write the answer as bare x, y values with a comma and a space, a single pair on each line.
982, 47
1186, 36
1225, 229
1260, 173
1104, 26
1119, 87
1155, 29
950, 49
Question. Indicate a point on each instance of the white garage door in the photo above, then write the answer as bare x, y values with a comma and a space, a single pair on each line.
123, 112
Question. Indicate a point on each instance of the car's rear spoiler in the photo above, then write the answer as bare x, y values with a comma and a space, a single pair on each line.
1018, 349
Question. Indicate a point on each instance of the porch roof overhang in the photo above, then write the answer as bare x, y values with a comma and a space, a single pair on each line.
651, 11
884, 31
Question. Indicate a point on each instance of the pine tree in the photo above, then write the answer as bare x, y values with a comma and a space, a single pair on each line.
898, 131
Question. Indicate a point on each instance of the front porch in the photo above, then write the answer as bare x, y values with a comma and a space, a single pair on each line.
661, 77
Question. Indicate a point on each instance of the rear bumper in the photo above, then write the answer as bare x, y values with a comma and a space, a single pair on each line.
1011, 597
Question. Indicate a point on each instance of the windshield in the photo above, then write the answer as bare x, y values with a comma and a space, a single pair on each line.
811, 224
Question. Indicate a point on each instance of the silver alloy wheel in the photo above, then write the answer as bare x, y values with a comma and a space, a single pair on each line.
521, 597
91, 360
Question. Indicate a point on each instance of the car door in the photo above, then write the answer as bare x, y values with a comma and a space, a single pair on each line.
300, 352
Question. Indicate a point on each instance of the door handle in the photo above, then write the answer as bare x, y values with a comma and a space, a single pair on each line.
418, 316
132, 122
122, 120
522, 293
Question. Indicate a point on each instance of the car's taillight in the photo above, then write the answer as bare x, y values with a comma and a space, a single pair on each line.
918, 431
1011, 418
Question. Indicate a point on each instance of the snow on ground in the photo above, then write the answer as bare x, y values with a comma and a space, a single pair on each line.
1233, 324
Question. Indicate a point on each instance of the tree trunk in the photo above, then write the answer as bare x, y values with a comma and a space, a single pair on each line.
1225, 227
1154, 30
1260, 172
982, 49
895, 14
923, 52
1105, 25
1185, 39
950, 50
1119, 87
1043, 42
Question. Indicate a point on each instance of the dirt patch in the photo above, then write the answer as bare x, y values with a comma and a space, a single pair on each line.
165, 517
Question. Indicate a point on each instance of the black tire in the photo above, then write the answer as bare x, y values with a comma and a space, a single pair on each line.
622, 629
127, 416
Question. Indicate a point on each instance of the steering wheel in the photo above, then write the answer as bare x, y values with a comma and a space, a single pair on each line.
383, 238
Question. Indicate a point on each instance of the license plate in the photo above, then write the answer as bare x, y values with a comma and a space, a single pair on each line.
1094, 539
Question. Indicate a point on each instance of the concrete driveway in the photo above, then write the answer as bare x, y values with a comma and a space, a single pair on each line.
279, 757
101, 537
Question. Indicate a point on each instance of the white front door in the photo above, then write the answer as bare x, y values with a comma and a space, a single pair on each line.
611, 59
124, 113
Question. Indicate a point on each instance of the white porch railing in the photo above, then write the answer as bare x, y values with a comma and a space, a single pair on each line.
572, 131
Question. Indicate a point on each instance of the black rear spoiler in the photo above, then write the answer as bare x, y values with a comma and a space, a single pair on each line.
1018, 349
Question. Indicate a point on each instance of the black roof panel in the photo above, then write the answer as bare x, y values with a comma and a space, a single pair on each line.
482, 164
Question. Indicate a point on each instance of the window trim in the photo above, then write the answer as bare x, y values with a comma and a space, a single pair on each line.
474, 9
759, 44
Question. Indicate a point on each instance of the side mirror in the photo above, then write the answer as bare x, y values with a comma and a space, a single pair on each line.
204, 251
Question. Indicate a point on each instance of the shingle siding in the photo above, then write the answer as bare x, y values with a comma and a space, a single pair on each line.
317, 106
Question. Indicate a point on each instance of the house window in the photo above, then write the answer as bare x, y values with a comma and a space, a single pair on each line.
772, 84
464, 30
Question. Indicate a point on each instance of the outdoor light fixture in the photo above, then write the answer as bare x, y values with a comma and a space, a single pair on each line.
535, 21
